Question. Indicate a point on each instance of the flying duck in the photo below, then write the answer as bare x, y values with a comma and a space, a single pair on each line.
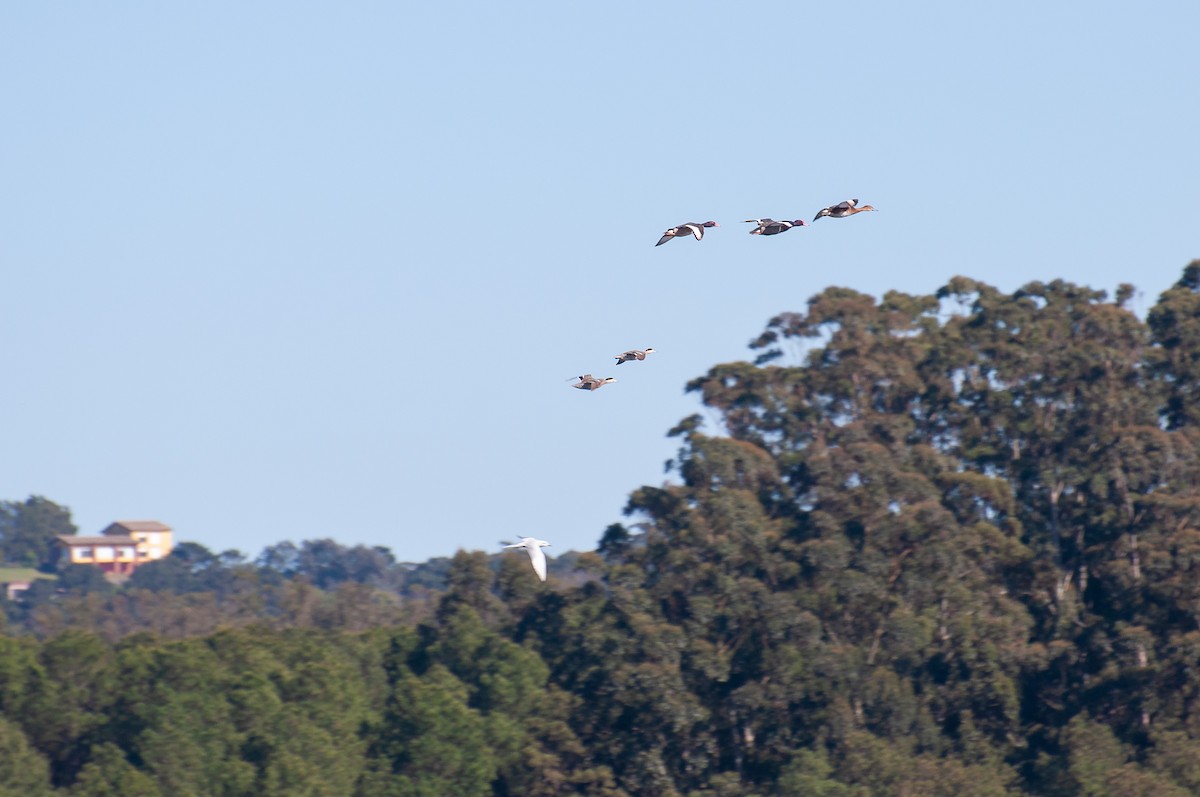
772, 227
633, 354
843, 209
692, 227
537, 558
589, 382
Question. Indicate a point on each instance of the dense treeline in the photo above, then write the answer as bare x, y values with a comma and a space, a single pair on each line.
193, 591
951, 547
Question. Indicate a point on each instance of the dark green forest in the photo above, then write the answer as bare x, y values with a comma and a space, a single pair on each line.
935, 545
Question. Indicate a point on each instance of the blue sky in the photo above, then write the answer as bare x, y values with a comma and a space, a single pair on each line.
294, 270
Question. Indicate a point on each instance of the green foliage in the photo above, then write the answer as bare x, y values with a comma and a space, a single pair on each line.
22, 770
1093, 755
29, 531
109, 774
437, 744
67, 701
808, 773
82, 580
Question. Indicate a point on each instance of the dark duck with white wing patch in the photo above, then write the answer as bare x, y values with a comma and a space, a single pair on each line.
772, 227
691, 228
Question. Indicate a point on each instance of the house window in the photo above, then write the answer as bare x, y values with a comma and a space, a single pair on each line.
125, 553
83, 553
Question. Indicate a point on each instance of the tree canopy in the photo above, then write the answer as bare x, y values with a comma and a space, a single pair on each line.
28, 531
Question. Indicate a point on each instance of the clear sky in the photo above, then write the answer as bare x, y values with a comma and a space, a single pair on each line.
289, 270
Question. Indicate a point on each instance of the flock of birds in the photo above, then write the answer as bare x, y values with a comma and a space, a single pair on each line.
589, 382
841, 210
767, 226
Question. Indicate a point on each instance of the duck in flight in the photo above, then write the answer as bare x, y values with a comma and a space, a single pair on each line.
691, 228
842, 209
772, 227
537, 558
589, 382
633, 354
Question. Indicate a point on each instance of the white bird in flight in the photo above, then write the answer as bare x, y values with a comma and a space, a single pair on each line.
533, 547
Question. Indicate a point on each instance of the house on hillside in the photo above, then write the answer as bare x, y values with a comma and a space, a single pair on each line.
121, 547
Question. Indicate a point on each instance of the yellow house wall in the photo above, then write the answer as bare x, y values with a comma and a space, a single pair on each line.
153, 544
